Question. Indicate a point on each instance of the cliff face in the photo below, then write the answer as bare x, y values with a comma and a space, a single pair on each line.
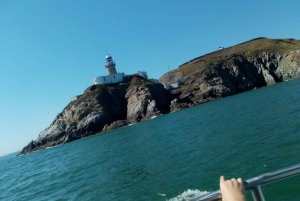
103, 108
236, 74
233, 70
250, 65
145, 100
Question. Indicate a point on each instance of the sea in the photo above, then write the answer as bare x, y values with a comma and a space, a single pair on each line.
172, 157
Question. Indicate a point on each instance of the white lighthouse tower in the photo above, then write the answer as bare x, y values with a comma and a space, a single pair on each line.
112, 75
110, 65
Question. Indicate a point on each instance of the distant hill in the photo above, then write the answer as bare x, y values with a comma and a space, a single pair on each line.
246, 66
250, 48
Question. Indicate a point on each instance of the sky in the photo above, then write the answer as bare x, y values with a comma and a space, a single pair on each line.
51, 50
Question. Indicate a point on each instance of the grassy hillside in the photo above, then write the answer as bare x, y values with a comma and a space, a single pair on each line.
249, 48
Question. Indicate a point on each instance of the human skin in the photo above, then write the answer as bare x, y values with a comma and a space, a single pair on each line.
232, 190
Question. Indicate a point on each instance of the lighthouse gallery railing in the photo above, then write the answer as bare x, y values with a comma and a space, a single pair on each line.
254, 183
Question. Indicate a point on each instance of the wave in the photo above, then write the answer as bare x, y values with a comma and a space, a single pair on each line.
58, 145
188, 195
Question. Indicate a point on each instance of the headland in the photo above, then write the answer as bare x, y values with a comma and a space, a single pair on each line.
102, 107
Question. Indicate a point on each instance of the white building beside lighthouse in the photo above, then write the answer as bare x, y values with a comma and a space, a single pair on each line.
112, 75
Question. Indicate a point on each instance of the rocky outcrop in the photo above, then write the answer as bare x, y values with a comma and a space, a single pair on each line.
103, 108
115, 125
288, 66
145, 101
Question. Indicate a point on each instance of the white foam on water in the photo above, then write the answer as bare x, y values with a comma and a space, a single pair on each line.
57, 145
153, 117
188, 195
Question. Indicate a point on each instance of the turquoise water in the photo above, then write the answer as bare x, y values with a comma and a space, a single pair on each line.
171, 156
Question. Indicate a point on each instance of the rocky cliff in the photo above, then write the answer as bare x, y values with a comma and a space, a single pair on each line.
103, 108
250, 65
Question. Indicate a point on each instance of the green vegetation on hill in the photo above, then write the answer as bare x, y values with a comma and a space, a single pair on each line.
249, 48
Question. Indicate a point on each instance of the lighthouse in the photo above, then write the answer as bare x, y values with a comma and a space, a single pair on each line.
110, 65
112, 75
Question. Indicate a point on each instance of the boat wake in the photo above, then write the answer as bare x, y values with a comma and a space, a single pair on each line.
188, 195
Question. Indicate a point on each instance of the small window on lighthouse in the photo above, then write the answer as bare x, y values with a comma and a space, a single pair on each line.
114, 77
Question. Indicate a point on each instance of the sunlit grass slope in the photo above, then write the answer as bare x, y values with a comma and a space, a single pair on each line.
249, 48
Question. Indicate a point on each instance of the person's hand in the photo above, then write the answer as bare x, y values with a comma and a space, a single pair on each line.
232, 190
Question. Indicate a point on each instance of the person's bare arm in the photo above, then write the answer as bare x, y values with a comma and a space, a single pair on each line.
232, 190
